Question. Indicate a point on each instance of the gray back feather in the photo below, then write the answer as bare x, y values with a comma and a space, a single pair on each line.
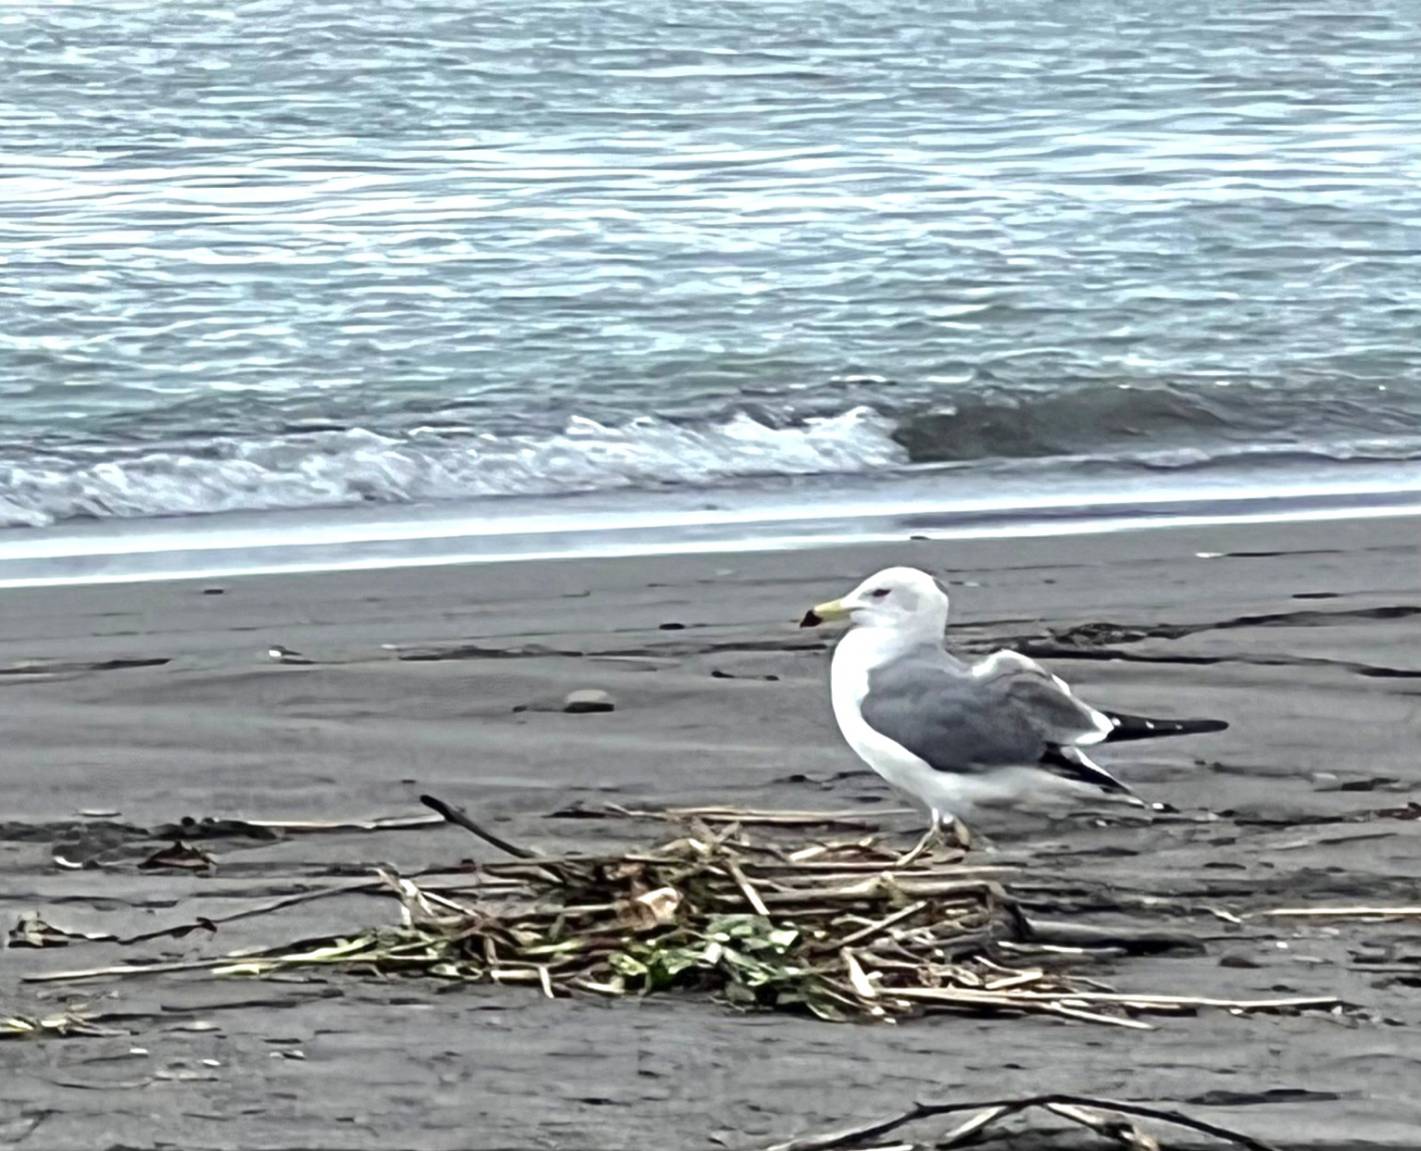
935, 706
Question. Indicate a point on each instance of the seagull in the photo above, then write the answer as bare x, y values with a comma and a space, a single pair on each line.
958, 737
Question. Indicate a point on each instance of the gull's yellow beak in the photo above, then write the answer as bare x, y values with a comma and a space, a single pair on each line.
824, 612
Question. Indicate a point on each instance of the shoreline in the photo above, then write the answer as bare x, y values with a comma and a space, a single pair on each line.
589, 526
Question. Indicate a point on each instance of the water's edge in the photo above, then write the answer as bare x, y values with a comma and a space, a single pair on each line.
209, 547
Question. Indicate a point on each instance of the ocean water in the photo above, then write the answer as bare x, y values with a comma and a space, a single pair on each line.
293, 255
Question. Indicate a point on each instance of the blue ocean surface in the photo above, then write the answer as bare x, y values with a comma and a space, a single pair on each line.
295, 255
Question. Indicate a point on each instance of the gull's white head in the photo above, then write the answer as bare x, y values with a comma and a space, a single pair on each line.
903, 600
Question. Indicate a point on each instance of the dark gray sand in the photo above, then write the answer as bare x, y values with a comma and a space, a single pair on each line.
1307, 638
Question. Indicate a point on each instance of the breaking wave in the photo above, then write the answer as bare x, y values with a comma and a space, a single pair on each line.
337, 468
1084, 430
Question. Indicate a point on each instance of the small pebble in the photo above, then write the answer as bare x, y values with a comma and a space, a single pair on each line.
588, 699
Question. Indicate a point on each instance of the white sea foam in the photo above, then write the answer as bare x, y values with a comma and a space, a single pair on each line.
336, 468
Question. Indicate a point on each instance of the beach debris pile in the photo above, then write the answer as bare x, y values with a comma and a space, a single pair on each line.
829, 928
765, 911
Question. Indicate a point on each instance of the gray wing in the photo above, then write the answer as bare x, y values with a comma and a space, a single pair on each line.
1006, 711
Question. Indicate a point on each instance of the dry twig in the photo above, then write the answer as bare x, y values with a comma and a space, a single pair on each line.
1068, 1106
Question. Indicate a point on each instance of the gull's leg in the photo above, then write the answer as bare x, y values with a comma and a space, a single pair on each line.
961, 833
931, 836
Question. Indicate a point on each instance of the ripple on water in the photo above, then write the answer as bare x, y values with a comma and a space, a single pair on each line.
220, 223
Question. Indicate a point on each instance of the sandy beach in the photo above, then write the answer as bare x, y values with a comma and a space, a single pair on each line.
145, 704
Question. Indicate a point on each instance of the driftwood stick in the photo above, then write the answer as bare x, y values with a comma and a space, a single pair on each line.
854, 1136
126, 969
720, 814
1123, 1131
968, 1131
1133, 940
1344, 912
1143, 1001
868, 932
380, 823
850, 1136
1163, 1115
747, 889
210, 922
459, 817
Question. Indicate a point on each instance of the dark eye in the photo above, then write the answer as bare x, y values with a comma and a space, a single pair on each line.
879, 593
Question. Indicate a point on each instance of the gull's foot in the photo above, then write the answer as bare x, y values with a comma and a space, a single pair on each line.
931, 836
936, 836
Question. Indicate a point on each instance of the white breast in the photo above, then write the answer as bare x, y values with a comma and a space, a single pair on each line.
858, 653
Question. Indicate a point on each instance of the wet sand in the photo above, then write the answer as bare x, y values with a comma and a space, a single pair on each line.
158, 702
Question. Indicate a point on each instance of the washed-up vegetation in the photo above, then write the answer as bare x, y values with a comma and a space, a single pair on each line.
750, 907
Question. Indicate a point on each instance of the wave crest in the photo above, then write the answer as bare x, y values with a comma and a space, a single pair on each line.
335, 468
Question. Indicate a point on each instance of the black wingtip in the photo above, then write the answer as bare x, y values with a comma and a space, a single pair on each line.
1138, 727
1200, 726
810, 619
1072, 763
